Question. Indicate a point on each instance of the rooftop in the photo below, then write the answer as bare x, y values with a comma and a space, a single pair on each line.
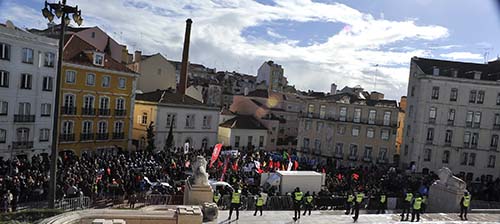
168, 97
463, 70
243, 122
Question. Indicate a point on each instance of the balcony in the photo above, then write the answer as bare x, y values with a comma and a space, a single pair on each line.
432, 120
367, 159
24, 118
446, 143
119, 135
476, 125
451, 122
468, 124
102, 136
382, 160
66, 137
88, 111
338, 156
496, 126
493, 147
68, 110
86, 136
428, 141
353, 157
22, 145
120, 112
104, 112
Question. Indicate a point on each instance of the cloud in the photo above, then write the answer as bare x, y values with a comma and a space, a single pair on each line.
445, 47
347, 57
462, 56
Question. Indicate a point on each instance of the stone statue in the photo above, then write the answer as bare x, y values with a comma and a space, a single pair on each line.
447, 179
200, 175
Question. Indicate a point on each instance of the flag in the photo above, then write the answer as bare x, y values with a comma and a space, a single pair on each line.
339, 176
257, 166
323, 170
271, 164
295, 165
235, 166
290, 164
355, 176
224, 169
215, 154
187, 164
285, 155
219, 164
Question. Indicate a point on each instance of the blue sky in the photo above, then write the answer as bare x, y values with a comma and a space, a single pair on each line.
318, 42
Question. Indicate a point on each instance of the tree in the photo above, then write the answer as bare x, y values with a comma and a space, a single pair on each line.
170, 138
150, 137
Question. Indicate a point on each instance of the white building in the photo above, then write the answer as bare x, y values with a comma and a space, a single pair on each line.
453, 118
273, 75
192, 121
27, 80
243, 131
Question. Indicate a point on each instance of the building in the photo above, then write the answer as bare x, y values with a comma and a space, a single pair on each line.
273, 75
243, 132
156, 72
453, 118
401, 124
192, 121
97, 100
27, 77
344, 129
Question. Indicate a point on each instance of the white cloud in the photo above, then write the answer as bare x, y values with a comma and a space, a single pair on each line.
462, 56
346, 58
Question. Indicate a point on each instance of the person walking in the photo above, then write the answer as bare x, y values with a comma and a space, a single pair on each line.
349, 204
406, 206
297, 201
382, 205
235, 203
464, 205
259, 203
308, 203
417, 206
357, 204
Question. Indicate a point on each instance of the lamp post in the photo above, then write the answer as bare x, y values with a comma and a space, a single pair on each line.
61, 10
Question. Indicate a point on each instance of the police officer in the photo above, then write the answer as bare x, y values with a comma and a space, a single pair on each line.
259, 203
382, 203
308, 203
357, 204
349, 204
217, 197
417, 206
235, 203
406, 206
424, 203
464, 205
297, 200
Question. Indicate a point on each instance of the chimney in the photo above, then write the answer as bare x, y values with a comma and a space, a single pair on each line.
333, 89
137, 56
185, 58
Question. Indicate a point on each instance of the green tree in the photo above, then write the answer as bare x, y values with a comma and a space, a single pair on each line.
170, 138
150, 137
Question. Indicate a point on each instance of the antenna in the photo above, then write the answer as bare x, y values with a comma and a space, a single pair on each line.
486, 53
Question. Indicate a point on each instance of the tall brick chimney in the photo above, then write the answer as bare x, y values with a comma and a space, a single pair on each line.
185, 59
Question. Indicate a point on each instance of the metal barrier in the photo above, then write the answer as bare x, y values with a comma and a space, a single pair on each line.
71, 204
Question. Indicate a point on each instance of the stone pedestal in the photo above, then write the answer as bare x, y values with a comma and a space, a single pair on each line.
189, 215
197, 194
443, 198
210, 211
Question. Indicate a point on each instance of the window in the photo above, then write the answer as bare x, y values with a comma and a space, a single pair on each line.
44, 135
306, 143
472, 159
382, 154
371, 116
106, 80
308, 125
261, 141
120, 104
319, 126
472, 96
27, 55
3, 135
317, 145
412, 92
406, 150
23, 134
353, 150
430, 134
118, 127
4, 78
25, 81
451, 116
432, 115
463, 158
341, 130
24, 109
322, 111
171, 120
491, 161
87, 127
93, 35
467, 136
477, 119
190, 121
4, 51
236, 141
310, 110
410, 111
454, 94
67, 127
45, 109
98, 59
144, 118
122, 83
90, 79
427, 155
408, 130
368, 152
446, 156
387, 118
496, 123
475, 139
355, 131
47, 83
498, 99
339, 148
343, 113
102, 127
480, 97
468, 118
104, 103
384, 135
206, 121
494, 141
49, 59
88, 102
448, 137
4, 107
357, 115
370, 132
70, 77
435, 93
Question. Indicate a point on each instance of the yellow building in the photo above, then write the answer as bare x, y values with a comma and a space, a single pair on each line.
96, 100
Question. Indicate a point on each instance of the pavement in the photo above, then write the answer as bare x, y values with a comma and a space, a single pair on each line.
320, 217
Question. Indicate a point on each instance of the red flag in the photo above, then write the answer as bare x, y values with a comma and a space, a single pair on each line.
271, 164
215, 154
277, 165
339, 176
108, 171
224, 169
235, 166
355, 176
219, 164
295, 165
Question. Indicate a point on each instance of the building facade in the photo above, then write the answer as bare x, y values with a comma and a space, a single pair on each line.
273, 75
27, 77
243, 132
191, 120
156, 72
453, 118
343, 129
97, 100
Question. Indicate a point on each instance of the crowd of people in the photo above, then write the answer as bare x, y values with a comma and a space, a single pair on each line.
125, 173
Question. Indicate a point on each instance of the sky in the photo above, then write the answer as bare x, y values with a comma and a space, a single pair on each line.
318, 42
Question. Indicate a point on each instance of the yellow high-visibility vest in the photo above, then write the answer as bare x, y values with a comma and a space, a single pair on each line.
466, 201
382, 198
298, 196
235, 198
260, 201
359, 197
409, 196
417, 203
216, 198
350, 198
309, 199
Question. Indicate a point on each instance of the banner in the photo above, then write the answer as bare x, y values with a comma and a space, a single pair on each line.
186, 148
215, 154
290, 164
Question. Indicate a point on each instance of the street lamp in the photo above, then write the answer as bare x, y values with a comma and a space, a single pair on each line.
61, 10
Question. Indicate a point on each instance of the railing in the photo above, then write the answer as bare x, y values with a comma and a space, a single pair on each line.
88, 111
367, 159
120, 112
71, 204
68, 110
119, 135
382, 160
22, 145
496, 126
24, 118
353, 157
102, 136
104, 112
86, 136
67, 137
338, 156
